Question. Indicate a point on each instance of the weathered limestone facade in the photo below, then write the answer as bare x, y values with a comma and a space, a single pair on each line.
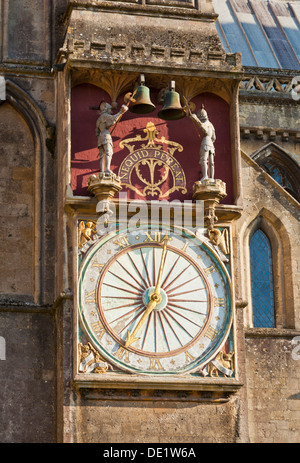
48, 49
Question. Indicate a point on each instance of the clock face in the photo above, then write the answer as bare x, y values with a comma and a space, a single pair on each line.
154, 303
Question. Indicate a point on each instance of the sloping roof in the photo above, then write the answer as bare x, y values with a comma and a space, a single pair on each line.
266, 32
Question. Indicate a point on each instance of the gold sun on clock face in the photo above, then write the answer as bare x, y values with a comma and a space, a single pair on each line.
154, 303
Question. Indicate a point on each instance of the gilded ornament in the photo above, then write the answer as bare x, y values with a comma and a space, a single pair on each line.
151, 155
86, 231
90, 361
219, 238
222, 363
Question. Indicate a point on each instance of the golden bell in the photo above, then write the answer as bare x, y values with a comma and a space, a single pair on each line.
172, 109
142, 103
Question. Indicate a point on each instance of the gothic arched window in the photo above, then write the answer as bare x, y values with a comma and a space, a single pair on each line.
262, 288
282, 177
280, 165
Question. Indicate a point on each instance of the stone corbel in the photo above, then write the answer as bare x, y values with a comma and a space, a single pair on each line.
211, 192
104, 187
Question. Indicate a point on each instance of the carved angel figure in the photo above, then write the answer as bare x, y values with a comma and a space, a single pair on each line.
86, 231
90, 360
219, 238
223, 363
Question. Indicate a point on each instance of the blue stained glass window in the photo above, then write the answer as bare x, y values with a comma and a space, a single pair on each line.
262, 281
277, 176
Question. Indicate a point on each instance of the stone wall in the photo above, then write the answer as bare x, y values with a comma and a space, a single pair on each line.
264, 121
110, 421
17, 204
272, 375
265, 200
27, 198
27, 379
273, 384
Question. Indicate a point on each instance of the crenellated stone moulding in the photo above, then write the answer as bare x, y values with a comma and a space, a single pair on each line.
99, 34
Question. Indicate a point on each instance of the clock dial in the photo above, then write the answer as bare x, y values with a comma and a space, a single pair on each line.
154, 303
183, 307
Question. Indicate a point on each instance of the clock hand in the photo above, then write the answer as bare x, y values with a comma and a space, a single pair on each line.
131, 336
155, 298
160, 273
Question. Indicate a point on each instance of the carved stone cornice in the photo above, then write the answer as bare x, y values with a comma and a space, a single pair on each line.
275, 88
202, 10
99, 34
89, 383
270, 133
261, 98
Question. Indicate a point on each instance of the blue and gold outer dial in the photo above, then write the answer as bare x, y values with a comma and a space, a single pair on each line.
154, 303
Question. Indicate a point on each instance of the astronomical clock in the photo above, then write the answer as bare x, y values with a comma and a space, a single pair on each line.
157, 304
154, 302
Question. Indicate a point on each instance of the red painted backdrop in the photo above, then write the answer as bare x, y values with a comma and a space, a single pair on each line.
84, 160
